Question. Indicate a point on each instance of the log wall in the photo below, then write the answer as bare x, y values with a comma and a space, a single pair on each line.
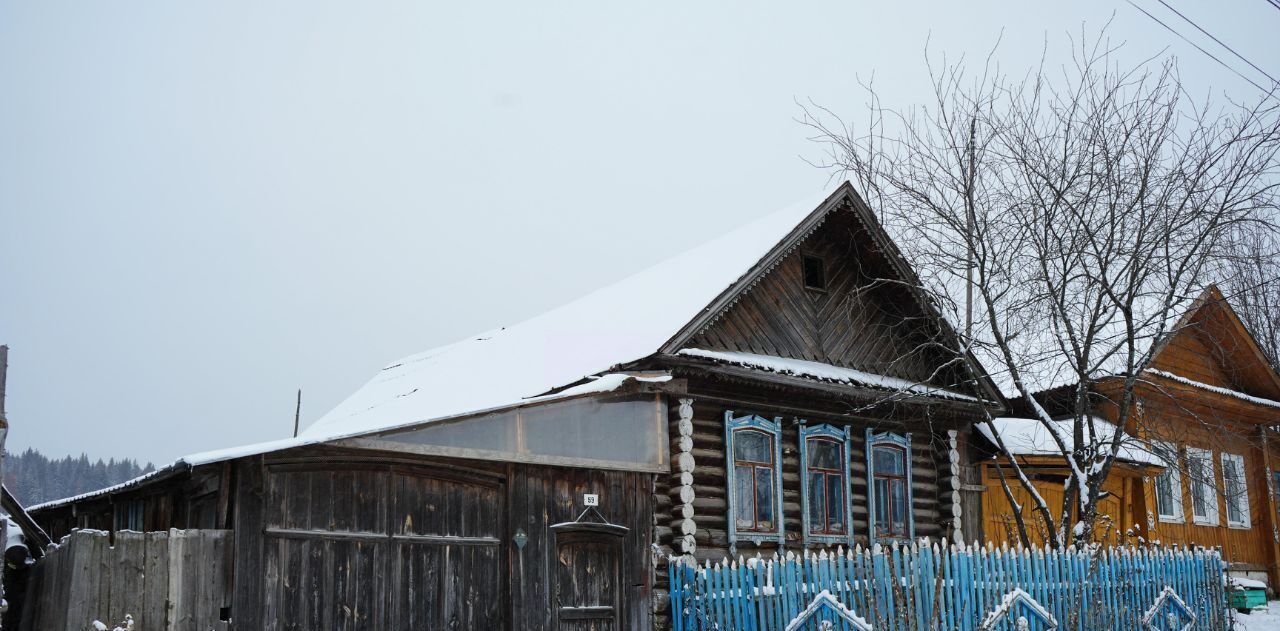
931, 498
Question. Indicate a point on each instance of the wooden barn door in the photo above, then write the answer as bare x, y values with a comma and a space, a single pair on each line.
377, 548
587, 595
449, 559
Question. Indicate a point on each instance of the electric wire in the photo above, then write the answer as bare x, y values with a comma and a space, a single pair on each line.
1220, 42
1199, 48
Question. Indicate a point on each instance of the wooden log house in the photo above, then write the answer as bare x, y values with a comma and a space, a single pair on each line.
1204, 464
779, 388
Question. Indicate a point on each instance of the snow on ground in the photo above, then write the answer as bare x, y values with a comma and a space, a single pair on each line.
1261, 619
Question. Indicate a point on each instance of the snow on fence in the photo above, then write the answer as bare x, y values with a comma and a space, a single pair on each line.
918, 587
166, 581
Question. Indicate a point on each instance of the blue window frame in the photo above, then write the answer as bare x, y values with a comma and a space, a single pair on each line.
753, 449
889, 486
824, 482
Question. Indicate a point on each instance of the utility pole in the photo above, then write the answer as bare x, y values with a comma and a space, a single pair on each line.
4, 434
297, 413
4, 370
4, 422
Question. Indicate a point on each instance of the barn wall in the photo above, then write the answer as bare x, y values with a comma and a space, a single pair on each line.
544, 496
385, 541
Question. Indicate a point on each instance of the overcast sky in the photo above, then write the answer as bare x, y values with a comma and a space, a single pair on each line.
206, 205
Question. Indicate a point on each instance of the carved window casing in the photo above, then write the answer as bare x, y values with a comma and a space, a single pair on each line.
824, 479
889, 486
753, 448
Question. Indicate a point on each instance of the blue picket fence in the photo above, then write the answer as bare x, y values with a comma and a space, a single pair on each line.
922, 586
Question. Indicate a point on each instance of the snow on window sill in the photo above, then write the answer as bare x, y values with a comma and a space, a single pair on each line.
1171, 519
1238, 525
1204, 521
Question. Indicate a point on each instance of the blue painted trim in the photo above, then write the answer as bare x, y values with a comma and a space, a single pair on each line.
901, 440
841, 435
773, 428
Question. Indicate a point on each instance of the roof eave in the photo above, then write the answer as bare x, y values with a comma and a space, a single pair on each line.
841, 390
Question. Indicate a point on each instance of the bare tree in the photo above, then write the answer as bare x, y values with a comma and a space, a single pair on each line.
1065, 219
1253, 286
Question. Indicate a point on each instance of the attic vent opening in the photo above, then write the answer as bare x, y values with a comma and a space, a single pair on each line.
815, 273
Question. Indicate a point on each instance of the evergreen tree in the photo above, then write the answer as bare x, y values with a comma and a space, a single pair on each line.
34, 478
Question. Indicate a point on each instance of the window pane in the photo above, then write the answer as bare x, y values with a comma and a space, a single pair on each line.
890, 461
817, 502
899, 501
752, 446
764, 497
1199, 503
824, 454
835, 504
744, 495
1235, 489
882, 503
1164, 494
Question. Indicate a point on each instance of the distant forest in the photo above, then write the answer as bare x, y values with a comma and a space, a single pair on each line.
33, 478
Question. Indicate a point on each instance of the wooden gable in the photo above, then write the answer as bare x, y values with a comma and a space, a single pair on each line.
1211, 345
864, 318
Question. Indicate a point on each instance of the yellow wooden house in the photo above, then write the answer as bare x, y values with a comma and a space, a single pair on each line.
1203, 465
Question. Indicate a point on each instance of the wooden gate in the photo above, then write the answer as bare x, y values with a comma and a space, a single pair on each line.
178, 580
383, 548
588, 594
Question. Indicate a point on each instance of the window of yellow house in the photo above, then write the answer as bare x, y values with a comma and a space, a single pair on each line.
1204, 492
1169, 487
1236, 490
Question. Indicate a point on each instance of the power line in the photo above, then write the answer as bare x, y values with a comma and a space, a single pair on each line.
1197, 47
1274, 3
1220, 42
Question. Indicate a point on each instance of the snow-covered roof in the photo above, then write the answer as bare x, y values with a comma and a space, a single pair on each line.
1030, 437
623, 322
521, 363
595, 384
612, 326
1218, 389
824, 372
1240, 582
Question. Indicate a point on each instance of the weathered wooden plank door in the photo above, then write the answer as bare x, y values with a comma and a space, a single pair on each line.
378, 548
449, 557
587, 595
